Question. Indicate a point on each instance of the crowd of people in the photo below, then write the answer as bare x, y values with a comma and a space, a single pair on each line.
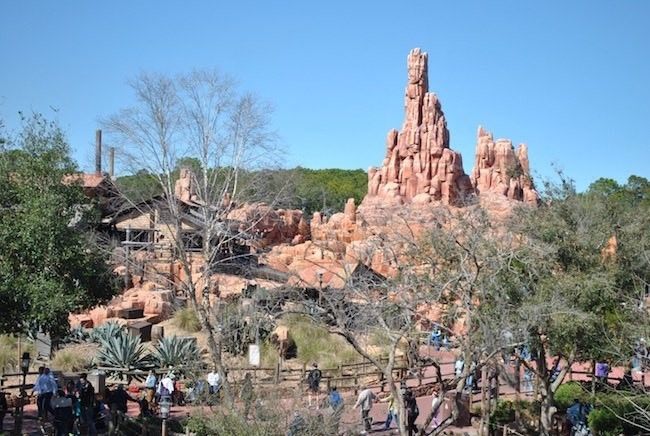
74, 407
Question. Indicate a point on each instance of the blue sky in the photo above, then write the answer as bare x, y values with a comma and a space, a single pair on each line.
570, 79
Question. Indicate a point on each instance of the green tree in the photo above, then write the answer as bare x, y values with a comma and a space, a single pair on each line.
48, 265
576, 280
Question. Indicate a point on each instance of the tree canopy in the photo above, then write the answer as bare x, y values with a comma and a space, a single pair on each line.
49, 266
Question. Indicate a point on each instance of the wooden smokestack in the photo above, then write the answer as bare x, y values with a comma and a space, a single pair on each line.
98, 152
111, 162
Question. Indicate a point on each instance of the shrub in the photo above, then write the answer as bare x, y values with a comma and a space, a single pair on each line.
504, 413
240, 330
231, 424
70, 361
106, 331
175, 352
604, 422
611, 407
123, 351
316, 344
77, 335
568, 392
9, 351
187, 319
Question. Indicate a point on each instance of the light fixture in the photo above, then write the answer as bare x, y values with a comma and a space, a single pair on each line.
24, 363
165, 406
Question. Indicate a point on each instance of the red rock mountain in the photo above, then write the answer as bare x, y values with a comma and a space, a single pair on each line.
420, 167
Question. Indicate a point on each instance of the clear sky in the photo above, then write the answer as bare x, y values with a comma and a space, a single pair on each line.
569, 78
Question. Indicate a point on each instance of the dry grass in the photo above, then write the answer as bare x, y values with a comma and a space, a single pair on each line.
187, 320
9, 353
73, 358
315, 344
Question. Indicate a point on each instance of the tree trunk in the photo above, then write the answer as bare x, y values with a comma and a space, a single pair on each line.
547, 410
485, 402
517, 391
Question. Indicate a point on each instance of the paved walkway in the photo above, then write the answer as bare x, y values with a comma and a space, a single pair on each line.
351, 418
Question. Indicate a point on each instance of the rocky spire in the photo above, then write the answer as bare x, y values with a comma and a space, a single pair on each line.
501, 169
419, 165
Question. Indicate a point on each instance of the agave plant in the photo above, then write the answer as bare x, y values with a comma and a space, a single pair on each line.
106, 331
77, 335
176, 352
123, 351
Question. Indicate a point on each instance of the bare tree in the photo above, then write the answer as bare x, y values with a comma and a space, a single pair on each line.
201, 120
448, 275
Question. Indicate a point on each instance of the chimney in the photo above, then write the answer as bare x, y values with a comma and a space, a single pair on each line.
98, 152
111, 162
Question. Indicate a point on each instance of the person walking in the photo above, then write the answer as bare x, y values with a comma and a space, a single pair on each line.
247, 394
392, 410
150, 386
366, 399
35, 391
214, 382
63, 413
335, 402
46, 387
459, 364
117, 404
436, 405
3, 408
86, 395
313, 384
436, 337
528, 381
412, 412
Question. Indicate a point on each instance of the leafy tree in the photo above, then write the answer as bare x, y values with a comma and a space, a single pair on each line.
577, 276
48, 265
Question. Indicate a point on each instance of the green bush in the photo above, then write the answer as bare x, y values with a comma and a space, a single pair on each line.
123, 351
603, 422
176, 352
611, 407
504, 413
106, 331
316, 344
568, 392
187, 319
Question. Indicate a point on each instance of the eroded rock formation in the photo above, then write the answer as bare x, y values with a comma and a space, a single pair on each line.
501, 169
419, 165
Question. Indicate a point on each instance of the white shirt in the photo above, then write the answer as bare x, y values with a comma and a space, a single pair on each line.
435, 400
458, 366
214, 379
168, 383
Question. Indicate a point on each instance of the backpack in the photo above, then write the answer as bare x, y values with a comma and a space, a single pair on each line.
313, 379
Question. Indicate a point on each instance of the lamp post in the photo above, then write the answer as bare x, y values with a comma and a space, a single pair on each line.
165, 406
24, 366
319, 273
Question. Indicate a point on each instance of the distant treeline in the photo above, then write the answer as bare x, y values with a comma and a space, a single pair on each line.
309, 190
